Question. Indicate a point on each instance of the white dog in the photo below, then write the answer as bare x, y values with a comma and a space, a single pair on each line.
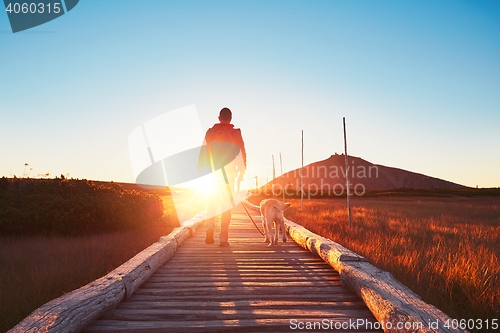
271, 210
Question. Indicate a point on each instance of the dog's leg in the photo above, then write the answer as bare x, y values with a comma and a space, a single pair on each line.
264, 226
280, 226
283, 230
276, 233
270, 232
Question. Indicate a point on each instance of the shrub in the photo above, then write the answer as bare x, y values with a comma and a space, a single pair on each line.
73, 207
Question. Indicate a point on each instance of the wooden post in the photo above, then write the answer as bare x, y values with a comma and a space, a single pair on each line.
274, 178
282, 179
349, 213
301, 175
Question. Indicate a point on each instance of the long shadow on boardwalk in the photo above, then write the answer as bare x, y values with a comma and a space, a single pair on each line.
247, 287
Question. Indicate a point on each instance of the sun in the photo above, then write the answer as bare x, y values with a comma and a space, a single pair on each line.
206, 185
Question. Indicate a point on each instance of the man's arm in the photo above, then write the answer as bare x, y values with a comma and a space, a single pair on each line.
241, 144
204, 161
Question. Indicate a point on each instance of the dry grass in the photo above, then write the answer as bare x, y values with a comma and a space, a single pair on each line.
35, 270
445, 249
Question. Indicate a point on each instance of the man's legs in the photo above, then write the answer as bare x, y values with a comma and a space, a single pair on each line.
209, 230
210, 222
222, 196
224, 228
227, 206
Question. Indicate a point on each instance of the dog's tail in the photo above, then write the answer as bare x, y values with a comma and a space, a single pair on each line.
250, 205
282, 206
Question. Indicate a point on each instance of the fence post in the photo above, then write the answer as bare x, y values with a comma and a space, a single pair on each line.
349, 213
301, 175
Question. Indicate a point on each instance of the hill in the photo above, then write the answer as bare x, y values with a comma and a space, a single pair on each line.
330, 175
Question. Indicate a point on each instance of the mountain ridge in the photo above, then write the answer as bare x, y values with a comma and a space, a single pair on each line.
330, 175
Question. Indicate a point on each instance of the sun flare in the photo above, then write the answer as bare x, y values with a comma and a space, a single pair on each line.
205, 185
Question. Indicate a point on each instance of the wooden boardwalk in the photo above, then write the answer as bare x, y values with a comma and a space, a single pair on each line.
246, 287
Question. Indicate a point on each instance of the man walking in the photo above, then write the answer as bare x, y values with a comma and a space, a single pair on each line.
224, 153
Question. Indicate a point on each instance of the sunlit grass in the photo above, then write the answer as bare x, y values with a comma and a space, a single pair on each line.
445, 249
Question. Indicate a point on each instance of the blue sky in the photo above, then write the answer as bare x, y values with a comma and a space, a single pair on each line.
418, 83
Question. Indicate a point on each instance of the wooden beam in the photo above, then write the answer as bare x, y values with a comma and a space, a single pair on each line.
75, 310
348, 185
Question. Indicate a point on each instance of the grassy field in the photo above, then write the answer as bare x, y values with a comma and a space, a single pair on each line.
447, 250
36, 269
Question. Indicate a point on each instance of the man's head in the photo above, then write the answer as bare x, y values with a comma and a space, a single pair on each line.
225, 116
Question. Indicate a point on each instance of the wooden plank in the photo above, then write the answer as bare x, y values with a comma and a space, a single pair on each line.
247, 278
228, 266
212, 304
234, 257
232, 313
181, 263
341, 296
208, 270
238, 290
244, 271
243, 284
246, 325
238, 270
